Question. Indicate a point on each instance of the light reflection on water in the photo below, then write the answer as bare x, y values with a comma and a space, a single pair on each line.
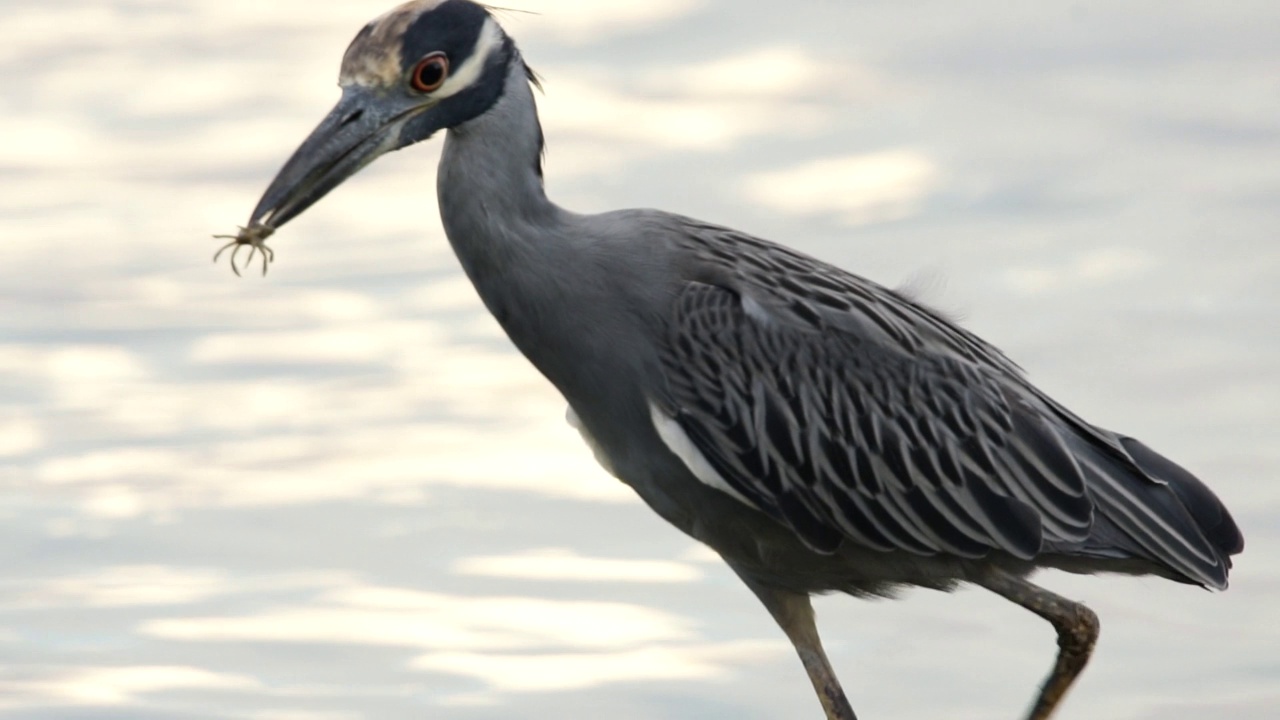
338, 493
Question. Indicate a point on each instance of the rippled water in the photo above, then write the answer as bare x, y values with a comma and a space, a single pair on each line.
337, 492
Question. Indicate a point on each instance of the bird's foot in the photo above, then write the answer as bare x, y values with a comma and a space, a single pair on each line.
255, 236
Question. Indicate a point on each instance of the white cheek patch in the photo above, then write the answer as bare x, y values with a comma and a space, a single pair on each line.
678, 442
469, 72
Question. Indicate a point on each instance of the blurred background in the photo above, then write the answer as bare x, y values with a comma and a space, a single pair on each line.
337, 492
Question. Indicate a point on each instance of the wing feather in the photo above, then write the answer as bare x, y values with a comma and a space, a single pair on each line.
846, 411
823, 438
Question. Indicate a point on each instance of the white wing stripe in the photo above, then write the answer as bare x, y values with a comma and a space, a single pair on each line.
678, 442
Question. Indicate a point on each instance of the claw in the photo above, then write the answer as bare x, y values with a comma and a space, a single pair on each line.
255, 237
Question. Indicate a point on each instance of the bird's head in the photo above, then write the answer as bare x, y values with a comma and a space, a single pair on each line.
425, 66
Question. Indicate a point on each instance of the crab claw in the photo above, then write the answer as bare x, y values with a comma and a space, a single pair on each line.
255, 236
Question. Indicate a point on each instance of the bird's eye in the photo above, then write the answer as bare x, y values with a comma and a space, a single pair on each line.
430, 72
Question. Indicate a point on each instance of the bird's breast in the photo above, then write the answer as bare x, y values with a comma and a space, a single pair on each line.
597, 449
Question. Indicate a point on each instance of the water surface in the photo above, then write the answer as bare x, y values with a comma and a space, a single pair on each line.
336, 492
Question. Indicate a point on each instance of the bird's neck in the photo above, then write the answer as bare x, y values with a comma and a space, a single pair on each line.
516, 246
492, 202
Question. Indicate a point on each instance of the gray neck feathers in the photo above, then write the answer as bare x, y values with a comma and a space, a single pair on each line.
514, 243
489, 184
537, 268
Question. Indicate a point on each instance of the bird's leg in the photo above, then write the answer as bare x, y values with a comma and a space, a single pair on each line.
794, 614
1077, 628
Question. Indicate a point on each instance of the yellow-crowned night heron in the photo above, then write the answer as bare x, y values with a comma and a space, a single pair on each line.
818, 431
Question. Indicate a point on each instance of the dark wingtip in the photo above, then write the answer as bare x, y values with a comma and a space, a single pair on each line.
1210, 515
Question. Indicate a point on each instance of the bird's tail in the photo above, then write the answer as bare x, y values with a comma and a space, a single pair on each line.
1152, 508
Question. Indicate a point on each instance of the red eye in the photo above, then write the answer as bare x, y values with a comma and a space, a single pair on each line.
430, 72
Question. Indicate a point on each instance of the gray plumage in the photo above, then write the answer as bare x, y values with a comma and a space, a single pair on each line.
848, 411
819, 431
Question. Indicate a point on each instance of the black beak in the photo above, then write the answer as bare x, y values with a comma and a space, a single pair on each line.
362, 126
